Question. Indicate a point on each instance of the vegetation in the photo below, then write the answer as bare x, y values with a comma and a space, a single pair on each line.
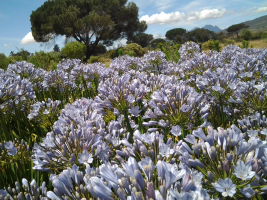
171, 34
236, 28
154, 43
142, 39
133, 49
246, 34
88, 22
199, 35
74, 50
56, 48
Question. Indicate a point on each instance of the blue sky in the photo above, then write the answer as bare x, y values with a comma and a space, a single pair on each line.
160, 15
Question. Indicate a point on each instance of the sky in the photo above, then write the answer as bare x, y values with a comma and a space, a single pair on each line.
160, 16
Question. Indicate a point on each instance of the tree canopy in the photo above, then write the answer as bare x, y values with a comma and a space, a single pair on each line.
87, 21
56, 48
171, 34
236, 28
142, 39
199, 35
155, 42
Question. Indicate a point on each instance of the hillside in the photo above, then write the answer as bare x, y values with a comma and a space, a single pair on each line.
258, 23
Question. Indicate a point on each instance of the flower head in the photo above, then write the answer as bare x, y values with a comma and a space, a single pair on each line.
226, 187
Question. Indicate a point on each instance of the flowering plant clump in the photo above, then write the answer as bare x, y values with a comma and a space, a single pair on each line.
144, 128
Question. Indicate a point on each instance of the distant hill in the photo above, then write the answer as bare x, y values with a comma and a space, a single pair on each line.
215, 29
258, 23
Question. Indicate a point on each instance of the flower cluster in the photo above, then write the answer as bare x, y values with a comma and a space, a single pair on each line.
144, 128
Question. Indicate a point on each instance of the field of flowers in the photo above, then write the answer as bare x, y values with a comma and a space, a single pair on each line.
144, 128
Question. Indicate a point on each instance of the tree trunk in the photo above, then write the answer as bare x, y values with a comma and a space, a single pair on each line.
90, 48
89, 52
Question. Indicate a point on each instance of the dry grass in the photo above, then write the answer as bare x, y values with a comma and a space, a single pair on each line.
256, 43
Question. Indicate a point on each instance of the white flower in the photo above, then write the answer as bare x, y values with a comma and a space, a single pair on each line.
134, 111
176, 130
244, 171
85, 157
226, 187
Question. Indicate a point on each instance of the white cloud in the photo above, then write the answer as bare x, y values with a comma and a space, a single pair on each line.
28, 39
254, 10
206, 14
259, 10
163, 18
6, 45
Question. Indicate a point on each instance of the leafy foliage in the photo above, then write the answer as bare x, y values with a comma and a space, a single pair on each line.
209, 45
246, 34
133, 49
142, 39
171, 34
88, 22
199, 35
74, 50
236, 28
154, 43
4, 61
56, 48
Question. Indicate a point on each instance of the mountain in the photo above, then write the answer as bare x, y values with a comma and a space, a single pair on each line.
215, 29
258, 23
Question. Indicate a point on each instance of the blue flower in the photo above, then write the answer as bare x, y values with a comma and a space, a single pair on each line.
226, 187
12, 151
85, 157
176, 130
244, 171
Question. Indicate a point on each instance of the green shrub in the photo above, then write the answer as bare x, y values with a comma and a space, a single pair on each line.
228, 42
256, 36
246, 34
245, 44
264, 36
160, 46
133, 49
112, 54
40, 59
74, 50
120, 52
102, 60
3, 61
56, 56
93, 59
209, 45
217, 46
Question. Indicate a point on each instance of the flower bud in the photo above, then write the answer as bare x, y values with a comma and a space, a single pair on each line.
229, 156
226, 166
210, 176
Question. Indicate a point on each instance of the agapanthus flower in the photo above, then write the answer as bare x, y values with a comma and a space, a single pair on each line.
176, 130
244, 170
225, 187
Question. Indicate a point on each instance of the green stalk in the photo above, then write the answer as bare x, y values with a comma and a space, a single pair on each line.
129, 128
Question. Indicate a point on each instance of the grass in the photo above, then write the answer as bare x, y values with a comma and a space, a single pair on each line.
255, 43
